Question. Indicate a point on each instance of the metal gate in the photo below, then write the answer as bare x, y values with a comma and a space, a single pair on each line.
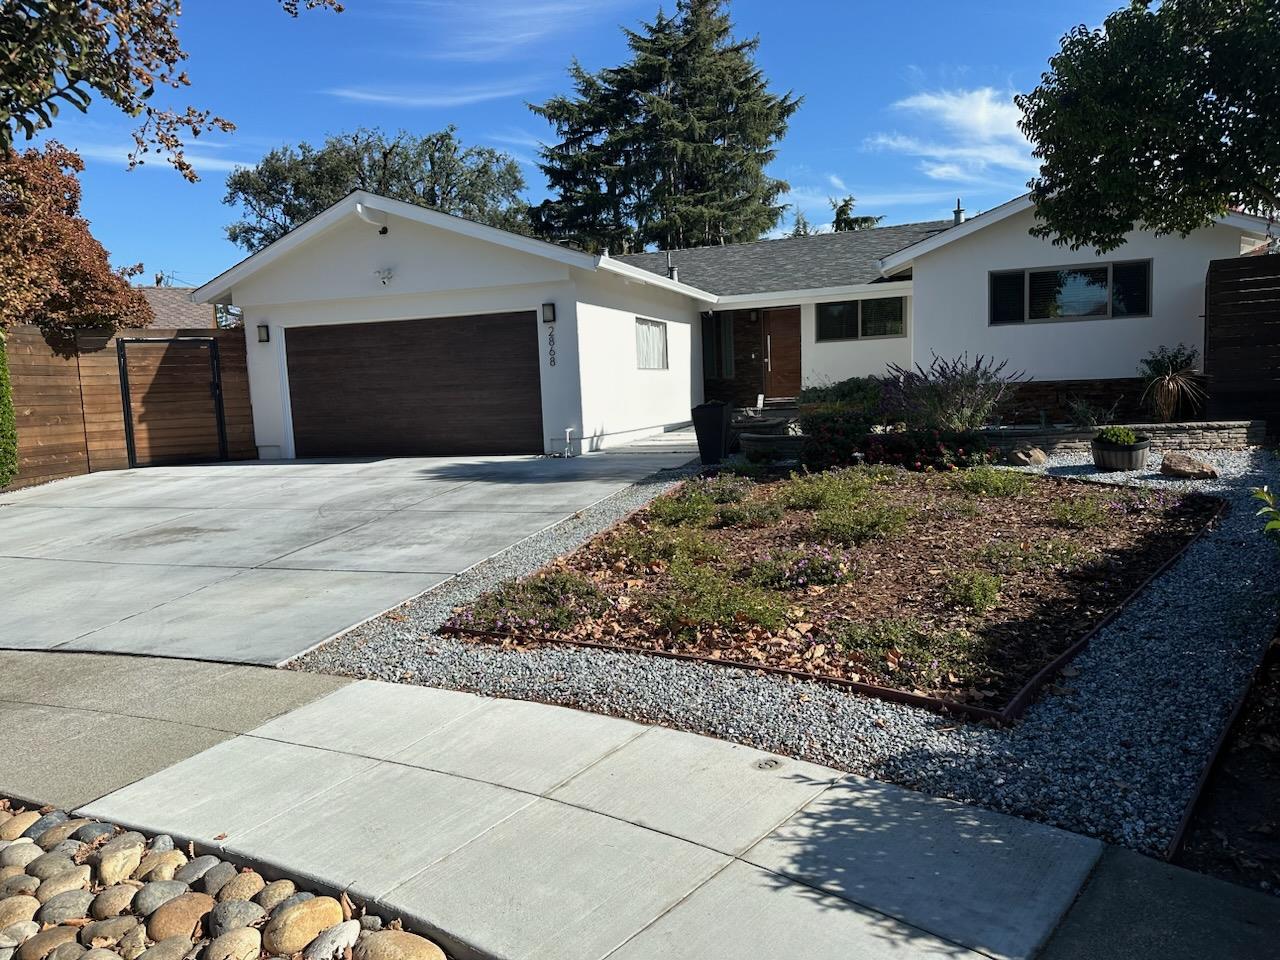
171, 389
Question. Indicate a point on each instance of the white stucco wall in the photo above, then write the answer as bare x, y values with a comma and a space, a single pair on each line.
833, 360
332, 280
620, 401
950, 293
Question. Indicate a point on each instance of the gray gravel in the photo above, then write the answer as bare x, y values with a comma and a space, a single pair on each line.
1115, 753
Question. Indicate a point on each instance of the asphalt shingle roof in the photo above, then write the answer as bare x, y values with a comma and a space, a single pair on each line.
791, 263
173, 307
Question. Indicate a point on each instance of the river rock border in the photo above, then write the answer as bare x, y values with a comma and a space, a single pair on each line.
72, 888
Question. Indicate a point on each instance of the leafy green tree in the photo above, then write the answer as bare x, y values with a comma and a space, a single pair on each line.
843, 220
1164, 118
119, 51
290, 185
669, 148
801, 227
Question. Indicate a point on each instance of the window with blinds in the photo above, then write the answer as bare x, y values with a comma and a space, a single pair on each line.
1088, 292
858, 319
651, 344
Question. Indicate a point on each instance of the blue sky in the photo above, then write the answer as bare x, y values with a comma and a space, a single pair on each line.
907, 105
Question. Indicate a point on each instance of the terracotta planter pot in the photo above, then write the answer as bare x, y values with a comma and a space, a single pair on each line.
1121, 456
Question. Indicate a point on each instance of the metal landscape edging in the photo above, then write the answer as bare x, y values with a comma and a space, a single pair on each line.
1010, 712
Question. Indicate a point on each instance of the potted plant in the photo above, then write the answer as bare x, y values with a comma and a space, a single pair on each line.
1119, 448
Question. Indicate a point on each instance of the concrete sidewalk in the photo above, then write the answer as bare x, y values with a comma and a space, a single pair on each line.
518, 830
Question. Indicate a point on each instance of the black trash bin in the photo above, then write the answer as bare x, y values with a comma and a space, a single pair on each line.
711, 424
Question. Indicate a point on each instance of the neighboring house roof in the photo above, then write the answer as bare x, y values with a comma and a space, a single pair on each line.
173, 307
898, 260
821, 261
374, 209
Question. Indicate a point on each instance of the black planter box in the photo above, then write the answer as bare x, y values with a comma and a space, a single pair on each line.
1121, 456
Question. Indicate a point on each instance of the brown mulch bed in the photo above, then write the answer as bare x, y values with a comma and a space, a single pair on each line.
909, 611
1234, 833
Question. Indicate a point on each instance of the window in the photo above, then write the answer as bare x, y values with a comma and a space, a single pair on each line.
717, 346
855, 319
651, 344
1071, 293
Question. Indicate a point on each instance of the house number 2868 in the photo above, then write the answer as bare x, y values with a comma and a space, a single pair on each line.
551, 346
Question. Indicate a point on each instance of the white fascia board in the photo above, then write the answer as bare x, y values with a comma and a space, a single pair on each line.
783, 298
610, 265
371, 208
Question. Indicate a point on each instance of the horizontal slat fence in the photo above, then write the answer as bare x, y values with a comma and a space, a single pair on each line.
70, 413
1242, 339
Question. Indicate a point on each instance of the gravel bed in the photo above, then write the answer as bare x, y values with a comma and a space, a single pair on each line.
76, 889
1114, 751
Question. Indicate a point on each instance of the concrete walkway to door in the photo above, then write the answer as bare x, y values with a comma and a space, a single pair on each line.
257, 562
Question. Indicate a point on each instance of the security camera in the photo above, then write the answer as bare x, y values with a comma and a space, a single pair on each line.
383, 232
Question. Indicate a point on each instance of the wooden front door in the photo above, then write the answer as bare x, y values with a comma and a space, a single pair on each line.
781, 330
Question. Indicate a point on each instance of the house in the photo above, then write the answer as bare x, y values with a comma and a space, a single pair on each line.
382, 328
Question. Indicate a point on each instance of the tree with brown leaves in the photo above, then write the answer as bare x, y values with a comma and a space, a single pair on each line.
55, 52
53, 273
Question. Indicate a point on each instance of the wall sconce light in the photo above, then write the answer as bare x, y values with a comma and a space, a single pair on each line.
548, 313
264, 333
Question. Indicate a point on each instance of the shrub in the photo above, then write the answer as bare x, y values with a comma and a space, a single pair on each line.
987, 481
1080, 514
8, 424
834, 433
691, 504
953, 396
548, 602
1085, 416
1117, 436
813, 491
1270, 512
646, 547
758, 513
796, 569
855, 523
856, 393
726, 488
1171, 380
697, 597
976, 590
928, 450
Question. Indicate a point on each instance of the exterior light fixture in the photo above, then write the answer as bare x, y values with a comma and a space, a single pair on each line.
548, 313
264, 333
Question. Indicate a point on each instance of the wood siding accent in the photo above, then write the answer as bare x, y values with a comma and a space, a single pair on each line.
458, 385
1242, 339
70, 412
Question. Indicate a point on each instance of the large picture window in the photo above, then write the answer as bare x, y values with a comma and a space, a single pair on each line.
651, 344
861, 319
1071, 293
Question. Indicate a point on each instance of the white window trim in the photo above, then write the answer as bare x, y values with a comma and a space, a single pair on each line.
1028, 320
859, 301
666, 343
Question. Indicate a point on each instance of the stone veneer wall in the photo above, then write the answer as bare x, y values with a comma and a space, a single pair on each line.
1192, 435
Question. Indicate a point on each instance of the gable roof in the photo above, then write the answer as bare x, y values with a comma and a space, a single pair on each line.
375, 209
820, 261
173, 307
898, 260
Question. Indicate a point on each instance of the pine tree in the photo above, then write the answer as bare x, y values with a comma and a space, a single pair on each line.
670, 148
801, 226
843, 218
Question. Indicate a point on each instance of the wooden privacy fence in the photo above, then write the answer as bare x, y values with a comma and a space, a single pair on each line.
140, 398
1242, 339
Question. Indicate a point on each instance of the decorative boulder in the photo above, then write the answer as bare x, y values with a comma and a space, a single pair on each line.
1025, 455
1189, 468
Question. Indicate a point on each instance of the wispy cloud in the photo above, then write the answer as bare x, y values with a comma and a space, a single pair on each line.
974, 137
516, 137
836, 182
467, 31
435, 97
119, 154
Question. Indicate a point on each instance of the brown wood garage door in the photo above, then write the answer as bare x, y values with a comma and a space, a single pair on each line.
465, 385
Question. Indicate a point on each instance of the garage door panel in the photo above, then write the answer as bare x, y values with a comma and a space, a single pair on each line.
465, 385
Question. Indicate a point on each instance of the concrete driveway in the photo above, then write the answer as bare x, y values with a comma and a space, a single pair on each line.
257, 562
